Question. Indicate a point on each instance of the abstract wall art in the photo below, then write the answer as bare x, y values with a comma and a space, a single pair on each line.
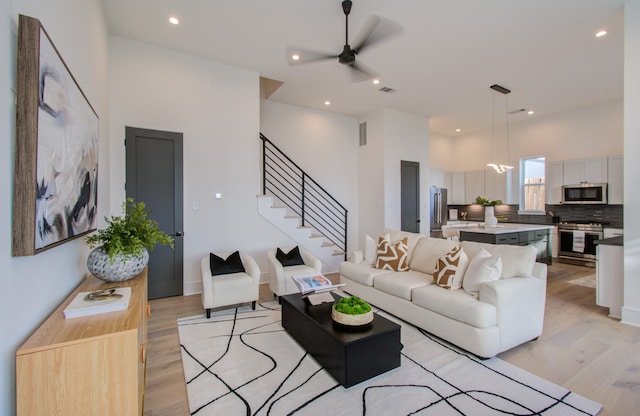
56, 159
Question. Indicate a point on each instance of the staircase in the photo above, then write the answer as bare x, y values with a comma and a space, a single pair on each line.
297, 205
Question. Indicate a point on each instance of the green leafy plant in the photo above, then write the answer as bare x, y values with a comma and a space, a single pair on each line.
129, 234
486, 203
352, 306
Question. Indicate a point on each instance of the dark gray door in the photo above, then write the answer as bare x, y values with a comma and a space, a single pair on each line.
410, 196
154, 176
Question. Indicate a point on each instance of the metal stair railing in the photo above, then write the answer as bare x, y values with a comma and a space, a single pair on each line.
283, 179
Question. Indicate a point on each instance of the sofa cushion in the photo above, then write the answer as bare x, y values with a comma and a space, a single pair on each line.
482, 268
516, 260
450, 269
456, 304
401, 284
392, 257
412, 239
428, 251
361, 273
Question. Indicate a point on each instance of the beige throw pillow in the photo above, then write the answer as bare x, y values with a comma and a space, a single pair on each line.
450, 269
392, 256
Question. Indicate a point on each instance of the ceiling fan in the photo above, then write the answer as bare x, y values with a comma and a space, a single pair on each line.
375, 30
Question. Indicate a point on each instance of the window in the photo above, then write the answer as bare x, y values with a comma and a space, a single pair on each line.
532, 193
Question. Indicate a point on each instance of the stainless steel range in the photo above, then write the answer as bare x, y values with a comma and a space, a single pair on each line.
576, 242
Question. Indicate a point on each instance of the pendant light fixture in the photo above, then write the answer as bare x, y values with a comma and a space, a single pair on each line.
499, 167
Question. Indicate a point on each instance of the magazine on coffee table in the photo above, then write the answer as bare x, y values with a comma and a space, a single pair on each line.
309, 283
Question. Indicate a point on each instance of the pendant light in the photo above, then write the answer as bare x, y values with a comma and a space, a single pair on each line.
499, 167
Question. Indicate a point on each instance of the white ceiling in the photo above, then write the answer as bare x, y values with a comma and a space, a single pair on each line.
441, 65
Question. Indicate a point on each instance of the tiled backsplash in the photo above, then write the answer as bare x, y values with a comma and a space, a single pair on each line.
596, 213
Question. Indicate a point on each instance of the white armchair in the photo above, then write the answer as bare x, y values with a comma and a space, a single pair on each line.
280, 281
230, 289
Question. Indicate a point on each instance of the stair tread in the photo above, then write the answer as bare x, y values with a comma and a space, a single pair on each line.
316, 236
327, 244
305, 226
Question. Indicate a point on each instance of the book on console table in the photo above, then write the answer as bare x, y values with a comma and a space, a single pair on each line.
315, 287
100, 301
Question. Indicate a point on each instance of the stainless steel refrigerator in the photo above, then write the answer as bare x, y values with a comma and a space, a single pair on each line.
438, 210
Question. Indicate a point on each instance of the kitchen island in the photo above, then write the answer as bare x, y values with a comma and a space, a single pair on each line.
537, 235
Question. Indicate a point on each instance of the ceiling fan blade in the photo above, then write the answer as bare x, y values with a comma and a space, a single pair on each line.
375, 30
360, 72
307, 56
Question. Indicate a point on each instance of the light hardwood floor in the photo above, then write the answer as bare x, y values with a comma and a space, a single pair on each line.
581, 348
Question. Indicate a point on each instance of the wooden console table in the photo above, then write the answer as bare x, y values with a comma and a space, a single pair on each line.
92, 365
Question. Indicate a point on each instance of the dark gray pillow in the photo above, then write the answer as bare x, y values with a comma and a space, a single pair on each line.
232, 264
292, 258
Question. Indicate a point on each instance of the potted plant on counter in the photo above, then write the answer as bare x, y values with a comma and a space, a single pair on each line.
121, 250
490, 219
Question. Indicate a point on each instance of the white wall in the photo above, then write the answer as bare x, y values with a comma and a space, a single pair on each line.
392, 136
216, 107
406, 137
631, 305
324, 145
596, 130
371, 179
33, 286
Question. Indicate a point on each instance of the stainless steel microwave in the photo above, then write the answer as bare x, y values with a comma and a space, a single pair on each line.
585, 193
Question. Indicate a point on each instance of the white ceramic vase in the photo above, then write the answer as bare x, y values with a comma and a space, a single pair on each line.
490, 219
122, 268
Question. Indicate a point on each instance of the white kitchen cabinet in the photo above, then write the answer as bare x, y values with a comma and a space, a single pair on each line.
473, 185
554, 178
457, 188
610, 278
616, 180
495, 185
554, 242
449, 186
437, 178
590, 170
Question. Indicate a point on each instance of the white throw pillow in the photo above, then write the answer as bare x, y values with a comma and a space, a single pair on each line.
482, 268
371, 249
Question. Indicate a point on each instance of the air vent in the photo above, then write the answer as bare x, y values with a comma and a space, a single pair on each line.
363, 133
387, 90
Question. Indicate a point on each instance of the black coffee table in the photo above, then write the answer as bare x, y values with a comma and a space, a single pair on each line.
350, 355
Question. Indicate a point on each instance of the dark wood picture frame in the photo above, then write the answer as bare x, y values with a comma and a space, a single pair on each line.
55, 191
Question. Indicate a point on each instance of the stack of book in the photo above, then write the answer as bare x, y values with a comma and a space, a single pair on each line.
101, 301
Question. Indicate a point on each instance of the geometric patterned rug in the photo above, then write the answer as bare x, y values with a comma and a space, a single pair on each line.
242, 362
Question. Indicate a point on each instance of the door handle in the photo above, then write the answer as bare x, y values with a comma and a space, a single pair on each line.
178, 234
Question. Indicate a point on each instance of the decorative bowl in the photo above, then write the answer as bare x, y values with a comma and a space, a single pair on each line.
351, 320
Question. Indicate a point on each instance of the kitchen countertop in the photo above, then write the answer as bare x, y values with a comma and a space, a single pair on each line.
504, 228
612, 241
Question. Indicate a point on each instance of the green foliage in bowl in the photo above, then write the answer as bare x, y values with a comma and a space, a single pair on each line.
352, 306
129, 234
484, 201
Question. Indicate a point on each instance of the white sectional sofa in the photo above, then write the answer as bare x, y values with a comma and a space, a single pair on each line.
504, 313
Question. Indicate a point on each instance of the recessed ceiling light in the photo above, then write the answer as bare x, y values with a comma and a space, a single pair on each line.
376, 81
327, 102
457, 130
174, 20
295, 57
530, 112
601, 33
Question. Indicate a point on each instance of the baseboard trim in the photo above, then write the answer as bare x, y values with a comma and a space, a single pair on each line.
191, 288
630, 316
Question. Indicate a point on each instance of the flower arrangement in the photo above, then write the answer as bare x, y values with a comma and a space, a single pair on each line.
484, 201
